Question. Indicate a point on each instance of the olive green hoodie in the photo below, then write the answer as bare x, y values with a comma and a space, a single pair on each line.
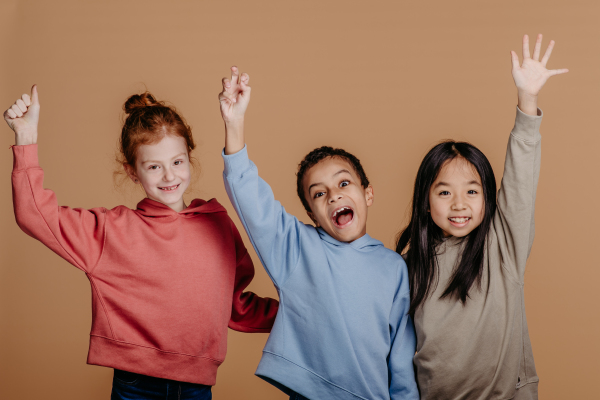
481, 350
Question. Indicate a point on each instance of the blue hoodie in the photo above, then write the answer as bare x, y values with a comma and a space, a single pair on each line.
342, 329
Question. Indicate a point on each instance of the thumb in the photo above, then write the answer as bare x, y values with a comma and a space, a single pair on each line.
34, 95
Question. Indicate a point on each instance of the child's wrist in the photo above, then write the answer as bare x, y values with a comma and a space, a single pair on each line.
527, 103
233, 122
24, 140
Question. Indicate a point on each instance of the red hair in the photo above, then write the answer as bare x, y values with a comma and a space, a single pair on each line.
148, 121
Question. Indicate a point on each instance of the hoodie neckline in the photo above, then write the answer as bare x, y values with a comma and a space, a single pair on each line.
152, 208
363, 243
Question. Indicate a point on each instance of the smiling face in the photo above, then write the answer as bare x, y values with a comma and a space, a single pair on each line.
163, 169
456, 198
337, 200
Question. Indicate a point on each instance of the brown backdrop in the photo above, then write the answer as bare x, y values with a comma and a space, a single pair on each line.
383, 79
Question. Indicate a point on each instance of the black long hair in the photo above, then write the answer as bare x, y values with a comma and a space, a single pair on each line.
422, 235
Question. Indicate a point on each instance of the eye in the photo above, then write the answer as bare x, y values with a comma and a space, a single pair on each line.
444, 193
472, 192
344, 183
178, 162
153, 167
319, 194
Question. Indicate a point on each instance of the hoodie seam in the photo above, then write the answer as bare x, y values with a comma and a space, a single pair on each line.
104, 308
154, 348
317, 375
519, 138
297, 261
46, 222
243, 219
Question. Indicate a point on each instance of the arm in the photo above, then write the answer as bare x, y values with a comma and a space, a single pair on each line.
74, 234
249, 312
274, 233
403, 344
514, 221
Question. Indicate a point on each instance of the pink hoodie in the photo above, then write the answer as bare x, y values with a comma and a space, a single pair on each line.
165, 285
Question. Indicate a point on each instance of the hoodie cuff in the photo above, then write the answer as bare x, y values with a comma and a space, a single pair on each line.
527, 127
237, 163
25, 157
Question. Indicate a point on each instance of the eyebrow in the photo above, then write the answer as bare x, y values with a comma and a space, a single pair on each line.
441, 183
158, 162
341, 171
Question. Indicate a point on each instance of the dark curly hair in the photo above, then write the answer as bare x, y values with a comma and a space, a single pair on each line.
318, 155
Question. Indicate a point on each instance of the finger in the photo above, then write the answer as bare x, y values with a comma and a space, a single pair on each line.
16, 110
537, 48
235, 74
515, 60
558, 71
548, 52
226, 84
228, 96
246, 91
26, 99
224, 96
244, 82
21, 104
11, 113
526, 47
34, 95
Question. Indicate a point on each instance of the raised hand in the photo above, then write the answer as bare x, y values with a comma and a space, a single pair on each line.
23, 117
235, 97
532, 74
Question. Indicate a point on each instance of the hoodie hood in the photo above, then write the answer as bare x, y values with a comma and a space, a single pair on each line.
152, 208
364, 243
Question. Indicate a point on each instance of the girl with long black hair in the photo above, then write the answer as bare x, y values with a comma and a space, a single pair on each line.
466, 252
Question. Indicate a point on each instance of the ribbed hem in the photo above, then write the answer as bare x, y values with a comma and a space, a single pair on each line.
152, 362
25, 156
286, 375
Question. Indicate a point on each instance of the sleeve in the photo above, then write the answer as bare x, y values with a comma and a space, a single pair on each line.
249, 312
403, 344
274, 233
76, 235
514, 220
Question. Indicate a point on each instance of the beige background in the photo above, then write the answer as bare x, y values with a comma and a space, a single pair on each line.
384, 79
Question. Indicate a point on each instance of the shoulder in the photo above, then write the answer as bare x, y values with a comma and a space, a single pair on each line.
115, 212
392, 256
391, 261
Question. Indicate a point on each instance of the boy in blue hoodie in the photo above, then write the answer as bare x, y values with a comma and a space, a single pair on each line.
342, 330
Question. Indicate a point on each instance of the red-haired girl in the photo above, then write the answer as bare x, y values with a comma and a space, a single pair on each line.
167, 278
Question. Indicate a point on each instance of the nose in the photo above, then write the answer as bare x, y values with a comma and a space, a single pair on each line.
168, 175
459, 204
334, 196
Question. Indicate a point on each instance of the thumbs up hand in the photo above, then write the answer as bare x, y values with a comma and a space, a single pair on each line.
23, 117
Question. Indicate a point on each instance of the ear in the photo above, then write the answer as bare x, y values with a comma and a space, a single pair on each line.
312, 217
131, 173
369, 195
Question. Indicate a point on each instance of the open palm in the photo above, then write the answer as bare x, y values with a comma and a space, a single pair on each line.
532, 74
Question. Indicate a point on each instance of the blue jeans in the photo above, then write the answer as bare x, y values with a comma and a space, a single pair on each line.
297, 396
131, 386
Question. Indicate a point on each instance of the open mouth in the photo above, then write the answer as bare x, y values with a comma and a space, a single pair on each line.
459, 221
169, 188
342, 217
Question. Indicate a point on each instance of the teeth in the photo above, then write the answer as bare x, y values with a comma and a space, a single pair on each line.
338, 211
459, 220
169, 188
